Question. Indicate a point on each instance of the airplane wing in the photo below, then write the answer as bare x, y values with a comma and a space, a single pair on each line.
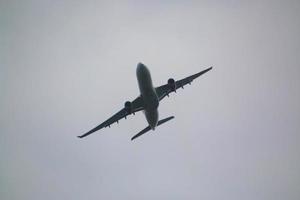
172, 85
135, 106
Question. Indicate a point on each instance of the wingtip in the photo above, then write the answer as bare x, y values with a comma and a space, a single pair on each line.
134, 137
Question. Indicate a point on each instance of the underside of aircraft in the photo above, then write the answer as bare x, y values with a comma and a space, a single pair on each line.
148, 100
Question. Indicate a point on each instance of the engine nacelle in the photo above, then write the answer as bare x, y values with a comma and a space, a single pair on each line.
172, 84
128, 107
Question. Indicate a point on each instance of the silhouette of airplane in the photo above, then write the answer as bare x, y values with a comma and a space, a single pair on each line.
148, 101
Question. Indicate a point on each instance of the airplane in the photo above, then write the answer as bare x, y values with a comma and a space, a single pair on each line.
148, 101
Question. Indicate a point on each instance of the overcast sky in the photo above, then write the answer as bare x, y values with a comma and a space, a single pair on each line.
66, 66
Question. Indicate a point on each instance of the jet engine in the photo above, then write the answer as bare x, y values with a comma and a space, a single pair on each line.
172, 84
128, 107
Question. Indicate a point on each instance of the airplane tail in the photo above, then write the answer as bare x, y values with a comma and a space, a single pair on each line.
148, 128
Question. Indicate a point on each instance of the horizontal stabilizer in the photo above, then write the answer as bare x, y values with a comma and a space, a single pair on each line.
164, 120
148, 128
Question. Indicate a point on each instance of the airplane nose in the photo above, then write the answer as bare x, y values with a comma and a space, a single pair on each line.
140, 68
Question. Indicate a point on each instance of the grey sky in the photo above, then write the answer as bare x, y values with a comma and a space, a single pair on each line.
66, 66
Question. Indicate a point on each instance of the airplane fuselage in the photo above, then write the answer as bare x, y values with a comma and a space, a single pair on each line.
148, 94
